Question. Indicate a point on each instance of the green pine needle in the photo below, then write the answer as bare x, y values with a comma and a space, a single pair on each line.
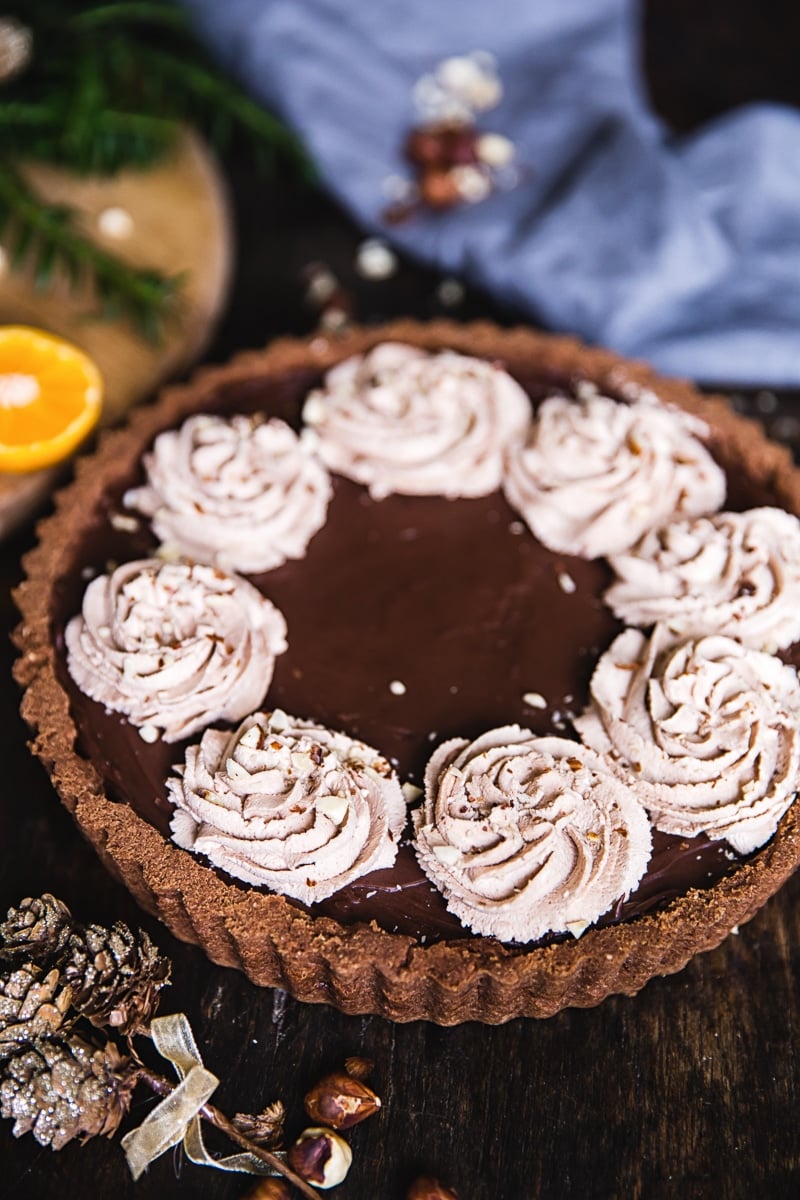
196, 90
109, 15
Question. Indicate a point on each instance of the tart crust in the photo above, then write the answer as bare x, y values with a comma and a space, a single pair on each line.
362, 968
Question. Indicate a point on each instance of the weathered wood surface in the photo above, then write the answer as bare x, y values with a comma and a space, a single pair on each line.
688, 1090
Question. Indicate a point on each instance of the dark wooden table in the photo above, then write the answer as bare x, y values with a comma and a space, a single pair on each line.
688, 1090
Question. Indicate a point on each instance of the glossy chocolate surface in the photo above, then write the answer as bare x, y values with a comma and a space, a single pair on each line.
452, 598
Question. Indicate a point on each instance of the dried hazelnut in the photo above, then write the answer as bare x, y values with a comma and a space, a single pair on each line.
441, 145
438, 189
428, 1188
269, 1189
459, 146
359, 1068
341, 1101
320, 1156
423, 147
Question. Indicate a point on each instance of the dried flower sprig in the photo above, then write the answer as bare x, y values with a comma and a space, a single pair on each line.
61, 982
273, 1161
264, 1128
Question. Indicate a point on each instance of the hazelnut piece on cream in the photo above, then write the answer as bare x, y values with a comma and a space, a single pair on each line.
334, 807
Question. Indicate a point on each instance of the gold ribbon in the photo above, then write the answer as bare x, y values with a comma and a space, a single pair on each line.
176, 1118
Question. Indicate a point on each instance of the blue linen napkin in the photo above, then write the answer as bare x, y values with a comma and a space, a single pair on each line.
682, 251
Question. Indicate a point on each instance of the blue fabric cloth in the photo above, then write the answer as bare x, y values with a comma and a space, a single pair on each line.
682, 251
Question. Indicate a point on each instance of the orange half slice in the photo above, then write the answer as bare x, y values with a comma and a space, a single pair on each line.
51, 394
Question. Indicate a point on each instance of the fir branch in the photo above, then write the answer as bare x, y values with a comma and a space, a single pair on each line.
47, 233
104, 141
108, 86
17, 114
127, 13
203, 96
110, 140
99, 58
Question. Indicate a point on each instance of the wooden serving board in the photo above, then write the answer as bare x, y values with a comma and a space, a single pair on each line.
180, 224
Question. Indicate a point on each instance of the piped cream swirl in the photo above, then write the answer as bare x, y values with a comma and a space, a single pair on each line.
401, 420
706, 733
596, 474
289, 805
732, 573
240, 493
174, 646
526, 835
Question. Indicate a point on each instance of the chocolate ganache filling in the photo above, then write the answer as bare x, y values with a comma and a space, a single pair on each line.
411, 620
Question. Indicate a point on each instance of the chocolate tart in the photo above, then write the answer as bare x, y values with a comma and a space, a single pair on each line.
443, 595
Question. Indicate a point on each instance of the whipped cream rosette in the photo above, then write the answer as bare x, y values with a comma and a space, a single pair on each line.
704, 731
732, 573
527, 835
289, 805
596, 474
174, 646
241, 493
398, 419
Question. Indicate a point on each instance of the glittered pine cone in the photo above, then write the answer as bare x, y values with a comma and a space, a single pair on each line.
114, 975
33, 1005
63, 1089
38, 928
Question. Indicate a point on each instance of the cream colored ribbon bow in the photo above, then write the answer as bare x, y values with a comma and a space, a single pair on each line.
176, 1118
